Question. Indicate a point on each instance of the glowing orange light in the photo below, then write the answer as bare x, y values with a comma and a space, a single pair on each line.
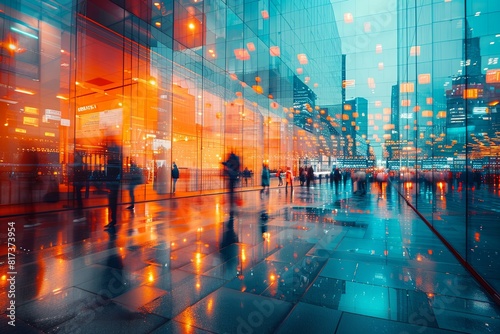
274, 51
471, 93
241, 54
302, 57
405, 103
415, 51
424, 79
348, 18
427, 113
477, 237
493, 76
407, 87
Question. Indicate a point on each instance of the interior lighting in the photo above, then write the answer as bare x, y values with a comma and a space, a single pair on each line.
19, 90
24, 33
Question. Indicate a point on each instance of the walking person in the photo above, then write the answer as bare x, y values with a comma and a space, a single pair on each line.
113, 178
288, 179
175, 176
79, 180
232, 169
309, 177
246, 175
280, 178
135, 179
336, 178
266, 180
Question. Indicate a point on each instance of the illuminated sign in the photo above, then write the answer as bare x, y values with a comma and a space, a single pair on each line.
86, 108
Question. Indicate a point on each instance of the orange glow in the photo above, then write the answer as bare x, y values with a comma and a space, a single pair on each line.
348, 18
424, 79
302, 57
346, 107
415, 51
405, 103
250, 46
241, 54
427, 113
348, 83
441, 114
243, 255
387, 111
265, 14
274, 51
407, 87
299, 70
4, 277
471, 93
371, 83
12, 47
272, 277
428, 100
477, 237
378, 103
378, 117
493, 76
429, 251
429, 123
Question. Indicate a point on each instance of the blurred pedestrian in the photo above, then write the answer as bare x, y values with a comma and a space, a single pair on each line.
280, 178
29, 182
310, 176
113, 179
246, 175
175, 176
266, 180
135, 174
232, 170
79, 180
288, 179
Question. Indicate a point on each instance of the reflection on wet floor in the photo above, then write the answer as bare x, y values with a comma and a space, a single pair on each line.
311, 262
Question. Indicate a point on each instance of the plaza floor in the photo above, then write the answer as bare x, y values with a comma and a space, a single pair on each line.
307, 261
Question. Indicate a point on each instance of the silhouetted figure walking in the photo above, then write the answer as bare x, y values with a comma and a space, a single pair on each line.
113, 178
232, 169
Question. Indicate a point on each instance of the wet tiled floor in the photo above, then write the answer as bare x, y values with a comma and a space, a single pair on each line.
318, 263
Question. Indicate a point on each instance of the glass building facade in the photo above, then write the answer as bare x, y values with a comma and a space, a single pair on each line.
277, 82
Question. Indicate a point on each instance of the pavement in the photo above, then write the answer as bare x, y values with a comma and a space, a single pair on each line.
307, 261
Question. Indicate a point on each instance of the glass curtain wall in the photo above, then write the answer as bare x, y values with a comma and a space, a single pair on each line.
283, 83
447, 95
164, 82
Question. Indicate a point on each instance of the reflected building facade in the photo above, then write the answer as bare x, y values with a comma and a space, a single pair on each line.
191, 81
